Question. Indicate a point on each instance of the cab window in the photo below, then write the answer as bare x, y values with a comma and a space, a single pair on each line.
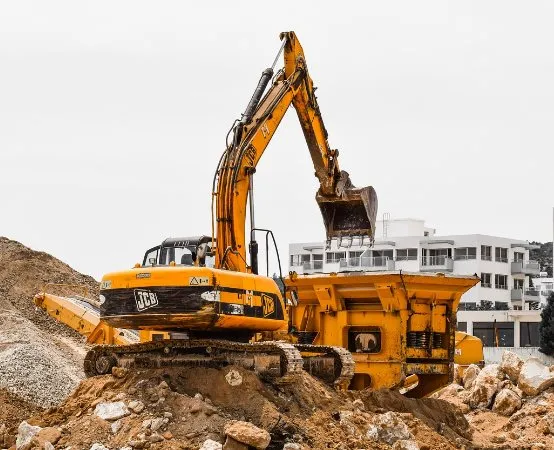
151, 257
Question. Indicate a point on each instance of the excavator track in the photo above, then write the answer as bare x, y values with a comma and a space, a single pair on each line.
279, 361
339, 374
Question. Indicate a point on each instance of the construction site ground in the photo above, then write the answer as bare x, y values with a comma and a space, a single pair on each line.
47, 402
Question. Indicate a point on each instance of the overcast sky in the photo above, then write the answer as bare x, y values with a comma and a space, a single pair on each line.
113, 116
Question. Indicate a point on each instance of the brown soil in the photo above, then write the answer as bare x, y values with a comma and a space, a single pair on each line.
305, 412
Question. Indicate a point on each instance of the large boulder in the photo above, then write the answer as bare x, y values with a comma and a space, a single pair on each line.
25, 435
506, 402
511, 365
534, 377
485, 387
389, 428
470, 374
247, 433
111, 411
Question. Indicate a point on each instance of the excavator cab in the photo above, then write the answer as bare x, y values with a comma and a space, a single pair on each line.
189, 251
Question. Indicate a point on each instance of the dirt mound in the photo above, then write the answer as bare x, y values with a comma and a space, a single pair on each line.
181, 408
40, 359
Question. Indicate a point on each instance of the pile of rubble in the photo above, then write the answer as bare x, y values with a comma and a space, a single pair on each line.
511, 403
197, 408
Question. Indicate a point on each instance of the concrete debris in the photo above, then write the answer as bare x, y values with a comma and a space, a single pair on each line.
136, 406
292, 446
116, 426
25, 435
111, 411
484, 388
511, 365
389, 428
233, 378
209, 444
506, 402
535, 377
470, 375
248, 434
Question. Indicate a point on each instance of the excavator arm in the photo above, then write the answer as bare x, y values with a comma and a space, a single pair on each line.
346, 210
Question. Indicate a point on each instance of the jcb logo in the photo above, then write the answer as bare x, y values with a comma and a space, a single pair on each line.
268, 305
145, 299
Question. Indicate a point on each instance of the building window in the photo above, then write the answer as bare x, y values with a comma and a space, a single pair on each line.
354, 254
486, 252
406, 254
294, 260
465, 253
318, 257
334, 257
467, 306
519, 256
382, 253
501, 281
529, 334
495, 334
518, 284
501, 254
501, 306
486, 280
462, 326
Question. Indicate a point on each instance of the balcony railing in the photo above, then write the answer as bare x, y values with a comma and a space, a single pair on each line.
312, 266
525, 267
367, 263
516, 295
436, 263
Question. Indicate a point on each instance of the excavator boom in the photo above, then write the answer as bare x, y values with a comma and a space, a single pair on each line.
347, 211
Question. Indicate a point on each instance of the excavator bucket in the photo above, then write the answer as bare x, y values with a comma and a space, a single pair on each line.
350, 213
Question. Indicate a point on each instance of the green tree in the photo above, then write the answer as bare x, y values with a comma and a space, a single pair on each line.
546, 328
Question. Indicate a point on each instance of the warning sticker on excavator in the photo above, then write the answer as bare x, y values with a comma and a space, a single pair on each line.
199, 281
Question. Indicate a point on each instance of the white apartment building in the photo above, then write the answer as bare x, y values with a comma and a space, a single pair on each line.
503, 310
544, 285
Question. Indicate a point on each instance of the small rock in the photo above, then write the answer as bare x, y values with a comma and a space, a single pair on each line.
405, 444
499, 438
292, 446
511, 365
168, 435
234, 378
97, 446
546, 424
506, 402
137, 444
247, 433
534, 377
232, 444
25, 435
168, 415
48, 434
155, 437
470, 374
111, 411
119, 372
163, 385
538, 446
146, 424
358, 404
157, 423
388, 428
199, 396
48, 446
209, 410
120, 396
136, 406
132, 390
154, 398
211, 445
116, 426
196, 407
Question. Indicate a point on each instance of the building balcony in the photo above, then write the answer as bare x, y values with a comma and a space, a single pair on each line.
437, 264
368, 264
527, 295
525, 267
311, 267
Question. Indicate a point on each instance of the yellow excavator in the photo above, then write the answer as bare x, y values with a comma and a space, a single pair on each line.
202, 290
